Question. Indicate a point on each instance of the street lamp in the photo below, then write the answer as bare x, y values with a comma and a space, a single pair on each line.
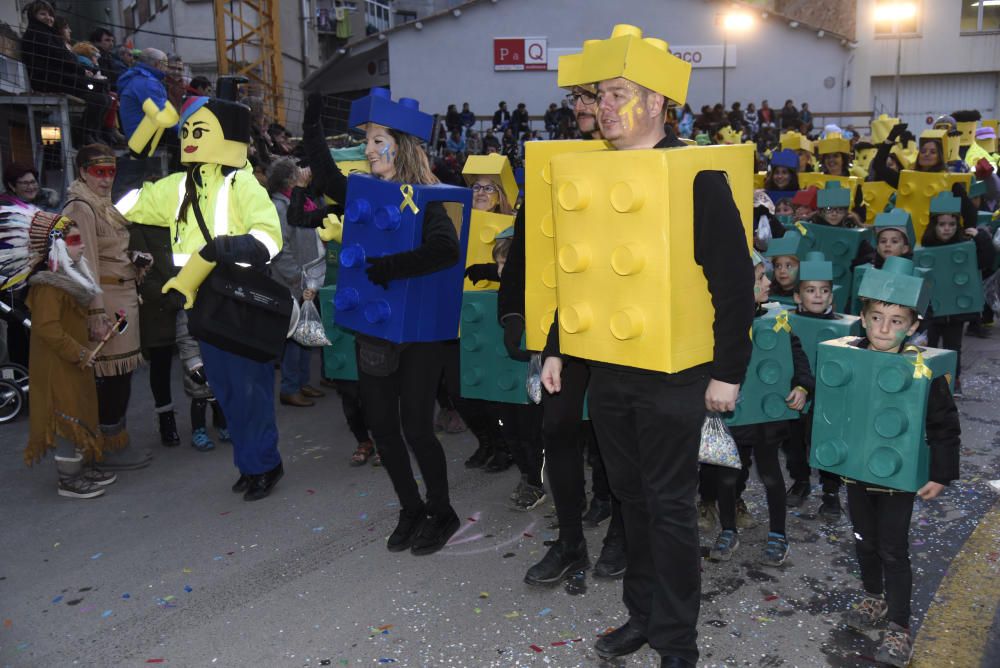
895, 13
735, 22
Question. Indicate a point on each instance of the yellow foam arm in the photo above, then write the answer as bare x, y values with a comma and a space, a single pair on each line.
189, 278
332, 230
147, 135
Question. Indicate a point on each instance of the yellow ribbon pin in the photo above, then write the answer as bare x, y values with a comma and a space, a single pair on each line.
407, 191
781, 322
919, 368
801, 228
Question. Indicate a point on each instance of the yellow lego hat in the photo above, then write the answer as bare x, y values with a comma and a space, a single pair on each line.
570, 72
492, 165
729, 136
943, 138
796, 141
966, 121
834, 143
645, 61
881, 127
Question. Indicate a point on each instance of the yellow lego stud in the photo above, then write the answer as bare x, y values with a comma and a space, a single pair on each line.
483, 229
876, 195
645, 61
881, 127
834, 143
496, 166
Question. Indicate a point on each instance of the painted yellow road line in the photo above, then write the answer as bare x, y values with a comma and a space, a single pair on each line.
958, 621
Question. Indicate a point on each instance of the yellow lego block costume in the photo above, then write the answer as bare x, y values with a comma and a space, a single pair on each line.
629, 290
483, 229
539, 234
881, 127
876, 195
916, 190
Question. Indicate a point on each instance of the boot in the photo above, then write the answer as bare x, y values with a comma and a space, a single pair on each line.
611, 564
501, 459
128, 458
409, 523
261, 485
72, 483
482, 455
168, 428
560, 560
435, 532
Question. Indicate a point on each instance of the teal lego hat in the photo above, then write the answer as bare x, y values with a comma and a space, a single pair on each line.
977, 188
791, 245
507, 233
756, 257
945, 202
815, 267
833, 195
896, 282
896, 219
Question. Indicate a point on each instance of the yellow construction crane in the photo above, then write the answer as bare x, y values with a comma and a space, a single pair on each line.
248, 42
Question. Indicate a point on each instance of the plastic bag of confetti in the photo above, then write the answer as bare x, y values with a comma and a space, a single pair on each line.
991, 290
310, 332
717, 444
534, 382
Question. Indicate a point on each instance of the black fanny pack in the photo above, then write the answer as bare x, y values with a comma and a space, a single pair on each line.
378, 357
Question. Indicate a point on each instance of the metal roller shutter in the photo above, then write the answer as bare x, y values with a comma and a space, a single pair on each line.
934, 95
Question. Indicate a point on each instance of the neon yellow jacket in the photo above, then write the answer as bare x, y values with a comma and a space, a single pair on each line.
233, 204
975, 153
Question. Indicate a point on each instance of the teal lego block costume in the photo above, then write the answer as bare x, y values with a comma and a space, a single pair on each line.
487, 371
769, 374
339, 359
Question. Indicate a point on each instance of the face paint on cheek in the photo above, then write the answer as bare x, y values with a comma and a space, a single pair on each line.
384, 153
898, 337
628, 112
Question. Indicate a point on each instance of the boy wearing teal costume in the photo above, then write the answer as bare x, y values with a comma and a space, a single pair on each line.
215, 133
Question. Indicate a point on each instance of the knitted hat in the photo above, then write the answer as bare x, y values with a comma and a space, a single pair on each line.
805, 197
26, 235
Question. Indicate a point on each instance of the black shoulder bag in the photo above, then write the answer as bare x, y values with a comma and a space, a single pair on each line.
241, 310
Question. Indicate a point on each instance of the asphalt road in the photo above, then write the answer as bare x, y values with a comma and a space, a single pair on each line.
170, 567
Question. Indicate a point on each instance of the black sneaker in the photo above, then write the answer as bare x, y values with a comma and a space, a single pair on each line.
798, 493
479, 457
600, 510
560, 560
434, 532
830, 509
409, 523
528, 496
499, 462
611, 564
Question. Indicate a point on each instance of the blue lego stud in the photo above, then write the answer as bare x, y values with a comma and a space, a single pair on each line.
385, 218
899, 220
339, 358
785, 158
403, 115
897, 282
945, 202
834, 196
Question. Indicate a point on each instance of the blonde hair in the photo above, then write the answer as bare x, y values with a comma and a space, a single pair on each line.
411, 163
86, 49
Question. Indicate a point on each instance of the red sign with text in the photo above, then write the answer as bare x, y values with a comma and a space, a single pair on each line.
520, 53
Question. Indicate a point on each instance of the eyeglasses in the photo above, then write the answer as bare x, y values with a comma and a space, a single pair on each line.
834, 209
477, 187
28, 182
102, 171
587, 98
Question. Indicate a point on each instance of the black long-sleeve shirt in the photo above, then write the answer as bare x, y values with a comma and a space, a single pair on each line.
721, 251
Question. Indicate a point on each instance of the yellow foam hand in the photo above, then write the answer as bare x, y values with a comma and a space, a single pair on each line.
189, 278
147, 135
332, 230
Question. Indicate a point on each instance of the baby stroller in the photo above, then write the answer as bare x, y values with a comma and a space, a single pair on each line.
13, 377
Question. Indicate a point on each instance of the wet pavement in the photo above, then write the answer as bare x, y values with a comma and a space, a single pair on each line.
172, 568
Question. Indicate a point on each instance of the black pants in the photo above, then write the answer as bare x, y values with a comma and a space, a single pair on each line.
761, 442
561, 424
522, 430
160, 359
113, 394
797, 447
350, 401
947, 333
882, 540
406, 398
648, 428
449, 389
198, 407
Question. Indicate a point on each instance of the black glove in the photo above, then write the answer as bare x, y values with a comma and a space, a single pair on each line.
487, 271
906, 138
958, 190
232, 249
314, 110
173, 301
896, 132
198, 375
380, 270
513, 329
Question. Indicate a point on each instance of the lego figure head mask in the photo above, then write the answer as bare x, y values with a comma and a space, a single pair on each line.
216, 130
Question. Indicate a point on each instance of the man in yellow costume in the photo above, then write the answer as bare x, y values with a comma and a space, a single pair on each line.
244, 228
648, 423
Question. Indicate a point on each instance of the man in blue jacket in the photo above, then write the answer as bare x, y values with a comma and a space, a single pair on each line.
142, 81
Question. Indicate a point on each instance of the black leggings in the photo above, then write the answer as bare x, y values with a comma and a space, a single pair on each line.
522, 430
113, 394
947, 333
797, 447
762, 441
882, 541
406, 397
350, 400
160, 359
198, 407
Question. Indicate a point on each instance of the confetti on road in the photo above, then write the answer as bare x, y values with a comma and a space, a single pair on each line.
57, 599
106, 614
97, 556
544, 612
512, 615
188, 588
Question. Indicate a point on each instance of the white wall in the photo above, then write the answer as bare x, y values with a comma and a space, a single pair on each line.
451, 59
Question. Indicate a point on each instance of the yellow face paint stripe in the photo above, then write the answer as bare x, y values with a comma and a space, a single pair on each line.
628, 111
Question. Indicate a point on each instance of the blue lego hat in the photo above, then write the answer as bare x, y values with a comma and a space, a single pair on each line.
945, 202
833, 195
815, 267
786, 158
402, 116
790, 245
896, 282
896, 219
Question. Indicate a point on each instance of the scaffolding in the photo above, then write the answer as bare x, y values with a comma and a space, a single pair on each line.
248, 43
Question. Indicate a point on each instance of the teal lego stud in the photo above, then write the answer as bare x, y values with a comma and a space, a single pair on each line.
487, 371
870, 412
833, 196
896, 219
792, 244
897, 282
956, 287
339, 358
945, 202
815, 267
769, 375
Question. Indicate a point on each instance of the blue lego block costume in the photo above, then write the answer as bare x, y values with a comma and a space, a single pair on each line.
380, 219
488, 372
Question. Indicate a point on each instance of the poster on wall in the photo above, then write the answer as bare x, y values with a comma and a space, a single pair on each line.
516, 54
